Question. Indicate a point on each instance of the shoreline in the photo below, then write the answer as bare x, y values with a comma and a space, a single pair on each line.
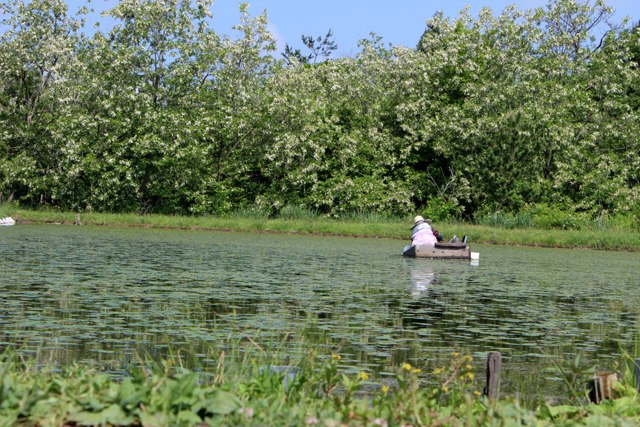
609, 240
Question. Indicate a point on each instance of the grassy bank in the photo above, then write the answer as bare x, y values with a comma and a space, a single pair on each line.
595, 236
259, 391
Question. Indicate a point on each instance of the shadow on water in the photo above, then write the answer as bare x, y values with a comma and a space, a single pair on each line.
99, 296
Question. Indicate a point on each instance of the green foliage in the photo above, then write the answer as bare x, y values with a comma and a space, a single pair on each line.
371, 217
575, 374
543, 216
440, 211
506, 220
249, 212
552, 217
162, 114
296, 212
630, 39
313, 392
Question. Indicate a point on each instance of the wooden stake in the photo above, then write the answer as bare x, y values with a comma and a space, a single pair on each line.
601, 387
78, 219
494, 364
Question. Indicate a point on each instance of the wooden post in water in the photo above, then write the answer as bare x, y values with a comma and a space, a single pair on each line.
494, 364
63, 218
78, 219
601, 387
85, 220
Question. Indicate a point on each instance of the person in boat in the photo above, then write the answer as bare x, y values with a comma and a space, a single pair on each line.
439, 236
422, 233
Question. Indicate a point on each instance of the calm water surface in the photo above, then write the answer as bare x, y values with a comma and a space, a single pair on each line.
99, 295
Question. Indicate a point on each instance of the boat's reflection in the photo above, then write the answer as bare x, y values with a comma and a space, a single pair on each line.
422, 276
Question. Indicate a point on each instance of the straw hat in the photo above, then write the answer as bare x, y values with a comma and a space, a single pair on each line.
418, 220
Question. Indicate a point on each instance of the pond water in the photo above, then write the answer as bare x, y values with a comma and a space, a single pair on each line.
99, 295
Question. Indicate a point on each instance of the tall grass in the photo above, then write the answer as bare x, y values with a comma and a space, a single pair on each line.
249, 212
547, 218
506, 220
297, 212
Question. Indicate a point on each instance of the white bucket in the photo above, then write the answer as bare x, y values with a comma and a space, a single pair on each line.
475, 255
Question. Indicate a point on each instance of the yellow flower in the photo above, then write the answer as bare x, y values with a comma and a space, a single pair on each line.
470, 375
454, 354
469, 366
363, 376
477, 393
336, 356
385, 389
416, 371
438, 370
445, 388
407, 367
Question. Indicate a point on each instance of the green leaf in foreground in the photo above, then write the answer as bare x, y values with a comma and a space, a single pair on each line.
113, 415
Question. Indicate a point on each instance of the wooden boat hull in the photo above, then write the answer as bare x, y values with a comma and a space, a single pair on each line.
440, 251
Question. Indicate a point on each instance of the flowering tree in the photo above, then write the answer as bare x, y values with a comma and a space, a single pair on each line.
332, 149
137, 143
164, 114
37, 55
523, 99
228, 112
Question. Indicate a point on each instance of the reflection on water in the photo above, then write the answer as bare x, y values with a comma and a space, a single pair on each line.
99, 295
422, 275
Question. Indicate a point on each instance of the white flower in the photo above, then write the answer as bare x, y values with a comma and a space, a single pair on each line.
248, 412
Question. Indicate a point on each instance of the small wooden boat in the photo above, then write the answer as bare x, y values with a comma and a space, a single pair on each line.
7, 221
441, 250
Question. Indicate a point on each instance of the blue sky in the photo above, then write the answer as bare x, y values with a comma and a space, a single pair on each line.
400, 22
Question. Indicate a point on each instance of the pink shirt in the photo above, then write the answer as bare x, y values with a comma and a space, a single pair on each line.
424, 237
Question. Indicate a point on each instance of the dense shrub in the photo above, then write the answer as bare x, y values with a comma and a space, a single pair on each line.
488, 113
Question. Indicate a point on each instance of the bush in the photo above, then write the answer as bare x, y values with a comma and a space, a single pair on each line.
625, 222
439, 211
545, 216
